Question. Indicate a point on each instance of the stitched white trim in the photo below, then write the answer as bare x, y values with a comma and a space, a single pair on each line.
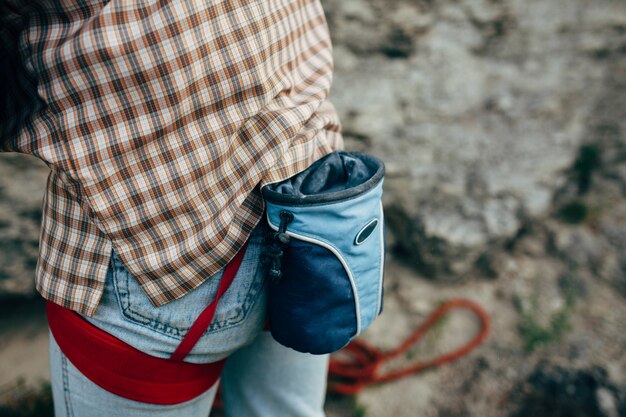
382, 260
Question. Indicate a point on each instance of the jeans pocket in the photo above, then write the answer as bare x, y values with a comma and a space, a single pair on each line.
175, 318
126, 312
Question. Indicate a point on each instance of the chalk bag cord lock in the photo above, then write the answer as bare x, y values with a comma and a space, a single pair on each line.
278, 243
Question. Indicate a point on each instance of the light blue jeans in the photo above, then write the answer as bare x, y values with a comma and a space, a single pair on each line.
261, 378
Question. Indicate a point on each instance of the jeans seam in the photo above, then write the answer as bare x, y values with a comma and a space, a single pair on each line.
250, 299
66, 388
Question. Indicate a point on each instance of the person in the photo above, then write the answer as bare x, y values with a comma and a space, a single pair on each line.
160, 122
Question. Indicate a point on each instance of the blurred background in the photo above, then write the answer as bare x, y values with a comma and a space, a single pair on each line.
503, 127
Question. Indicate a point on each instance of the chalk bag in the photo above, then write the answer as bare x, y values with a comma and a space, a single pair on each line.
326, 252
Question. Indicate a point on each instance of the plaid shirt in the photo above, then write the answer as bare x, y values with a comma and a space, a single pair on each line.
160, 122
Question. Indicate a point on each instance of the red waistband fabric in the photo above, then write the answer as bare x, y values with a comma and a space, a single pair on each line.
125, 371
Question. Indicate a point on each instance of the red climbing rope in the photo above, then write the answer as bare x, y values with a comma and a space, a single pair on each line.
361, 367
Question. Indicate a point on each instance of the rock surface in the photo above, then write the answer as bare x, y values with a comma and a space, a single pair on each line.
22, 182
503, 129
478, 108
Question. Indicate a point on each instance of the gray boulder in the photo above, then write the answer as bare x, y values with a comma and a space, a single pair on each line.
22, 183
478, 109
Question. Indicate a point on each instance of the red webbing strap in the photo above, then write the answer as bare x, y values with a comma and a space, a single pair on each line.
206, 317
123, 370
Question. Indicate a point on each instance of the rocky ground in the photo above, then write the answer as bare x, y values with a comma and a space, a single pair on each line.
503, 127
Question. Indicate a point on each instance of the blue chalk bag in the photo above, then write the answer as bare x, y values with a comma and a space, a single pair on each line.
326, 252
